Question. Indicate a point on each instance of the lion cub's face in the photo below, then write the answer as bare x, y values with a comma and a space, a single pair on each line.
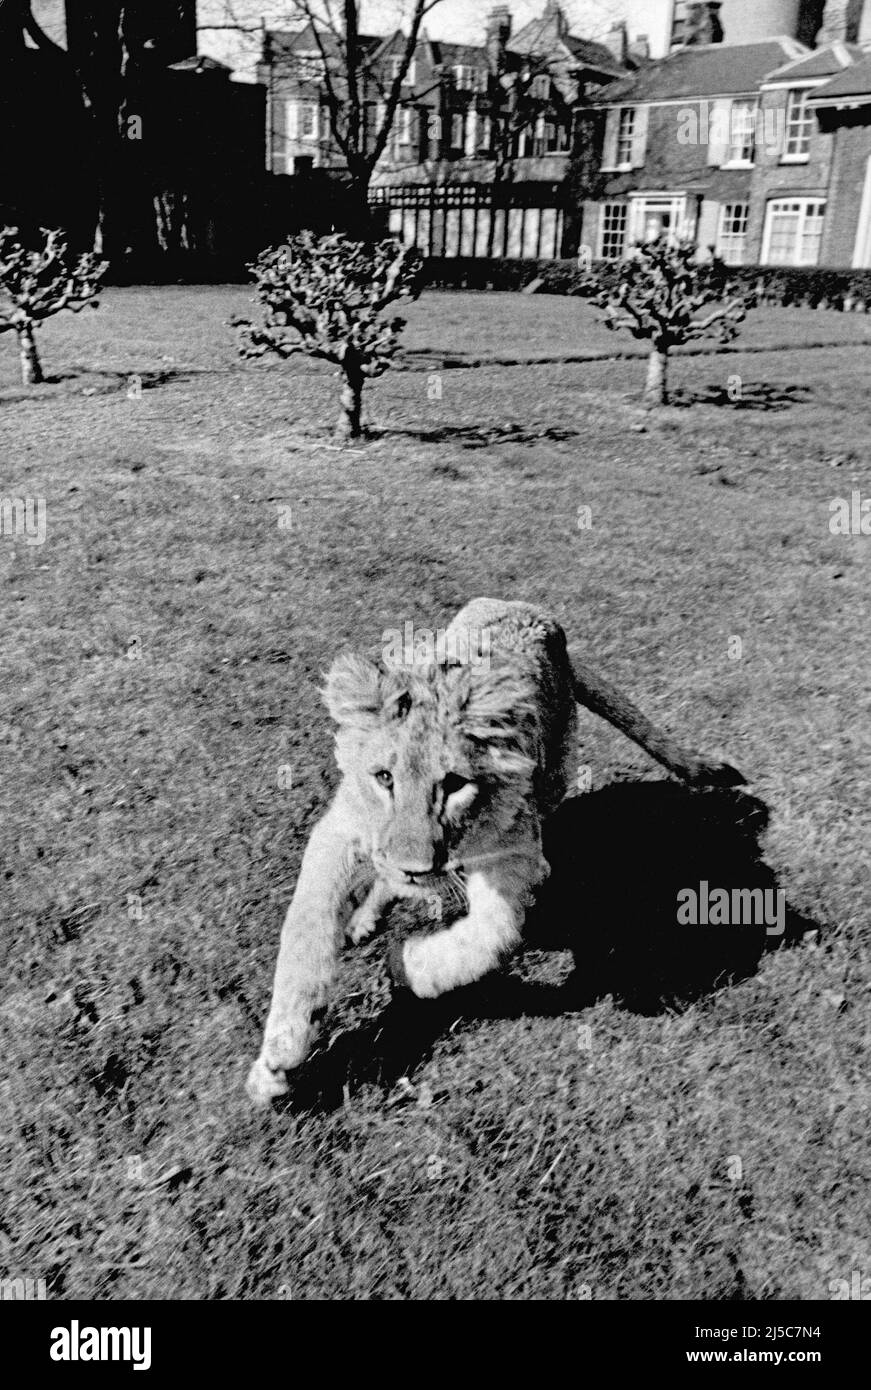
430, 755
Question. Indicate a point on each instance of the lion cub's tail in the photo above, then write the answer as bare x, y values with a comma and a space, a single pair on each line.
599, 695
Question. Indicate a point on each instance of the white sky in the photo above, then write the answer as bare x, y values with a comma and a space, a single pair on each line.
461, 20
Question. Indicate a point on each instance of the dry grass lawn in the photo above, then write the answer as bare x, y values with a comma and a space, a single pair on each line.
538, 1137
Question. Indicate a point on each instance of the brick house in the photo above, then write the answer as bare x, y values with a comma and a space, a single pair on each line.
483, 173
678, 152
843, 109
789, 220
291, 70
452, 93
478, 154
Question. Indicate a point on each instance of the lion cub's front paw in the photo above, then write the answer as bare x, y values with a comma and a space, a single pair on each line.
283, 1049
265, 1083
363, 924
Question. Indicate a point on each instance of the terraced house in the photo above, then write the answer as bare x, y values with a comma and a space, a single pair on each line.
679, 149
757, 150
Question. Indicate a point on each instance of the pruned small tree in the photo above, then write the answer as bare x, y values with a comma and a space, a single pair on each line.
665, 295
326, 297
38, 282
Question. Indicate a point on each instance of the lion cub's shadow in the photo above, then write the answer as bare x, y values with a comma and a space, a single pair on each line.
619, 857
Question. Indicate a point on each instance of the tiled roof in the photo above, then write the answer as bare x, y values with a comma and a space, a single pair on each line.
286, 43
708, 70
854, 81
470, 54
823, 62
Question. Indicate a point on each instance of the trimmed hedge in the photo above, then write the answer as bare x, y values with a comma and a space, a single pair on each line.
813, 286
473, 273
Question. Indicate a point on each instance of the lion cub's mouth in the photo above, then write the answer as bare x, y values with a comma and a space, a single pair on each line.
447, 884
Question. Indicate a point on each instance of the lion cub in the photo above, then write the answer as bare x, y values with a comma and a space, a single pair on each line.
448, 770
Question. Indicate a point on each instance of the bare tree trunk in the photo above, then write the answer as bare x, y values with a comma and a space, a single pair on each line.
656, 387
350, 421
361, 221
31, 368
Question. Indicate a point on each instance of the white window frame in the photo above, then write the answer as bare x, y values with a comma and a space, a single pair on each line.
308, 116
395, 60
732, 241
467, 78
625, 137
552, 134
799, 126
748, 107
804, 210
405, 131
609, 213
643, 205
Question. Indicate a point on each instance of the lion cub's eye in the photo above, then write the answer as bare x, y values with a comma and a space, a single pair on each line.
384, 778
454, 783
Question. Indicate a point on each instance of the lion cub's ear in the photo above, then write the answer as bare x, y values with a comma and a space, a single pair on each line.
353, 692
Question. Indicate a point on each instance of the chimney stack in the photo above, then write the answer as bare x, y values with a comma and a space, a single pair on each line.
498, 34
639, 49
553, 14
616, 42
841, 21
702, 24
